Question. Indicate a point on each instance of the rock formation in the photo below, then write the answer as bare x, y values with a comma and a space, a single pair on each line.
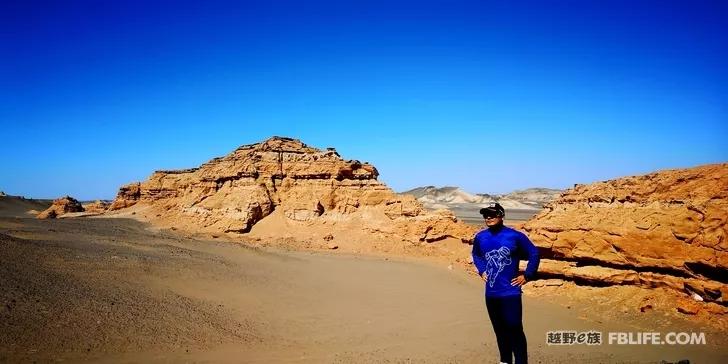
60, 207
301, 191
665, 229
97, 207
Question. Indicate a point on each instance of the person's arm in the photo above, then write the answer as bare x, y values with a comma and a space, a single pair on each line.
478, 258
525, 245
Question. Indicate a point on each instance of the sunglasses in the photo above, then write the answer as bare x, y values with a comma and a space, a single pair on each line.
491, 217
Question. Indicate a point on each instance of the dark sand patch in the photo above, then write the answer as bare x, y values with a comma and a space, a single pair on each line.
14, 206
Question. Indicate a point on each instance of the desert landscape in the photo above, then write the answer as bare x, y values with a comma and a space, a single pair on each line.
521, 205
283, 252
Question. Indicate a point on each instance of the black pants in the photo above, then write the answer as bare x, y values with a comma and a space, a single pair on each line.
506, 314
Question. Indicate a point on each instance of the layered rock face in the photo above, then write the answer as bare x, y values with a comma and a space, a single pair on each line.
60, 207
665, 229
288, 179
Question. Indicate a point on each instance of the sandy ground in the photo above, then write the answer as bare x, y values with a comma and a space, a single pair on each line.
118, 290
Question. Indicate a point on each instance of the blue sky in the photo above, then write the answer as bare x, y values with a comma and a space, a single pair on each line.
488, 95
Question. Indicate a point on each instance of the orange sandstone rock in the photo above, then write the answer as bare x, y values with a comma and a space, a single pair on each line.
61, 206
97, 206
313, 193
664, 229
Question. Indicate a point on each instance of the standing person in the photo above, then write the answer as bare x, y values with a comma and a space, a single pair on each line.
496, 253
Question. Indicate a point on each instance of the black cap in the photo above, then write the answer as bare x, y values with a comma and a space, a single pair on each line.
495, 209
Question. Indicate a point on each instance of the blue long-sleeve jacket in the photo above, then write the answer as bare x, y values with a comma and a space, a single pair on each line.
497, 252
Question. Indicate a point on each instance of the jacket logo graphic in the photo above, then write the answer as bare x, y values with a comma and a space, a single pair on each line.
497, 260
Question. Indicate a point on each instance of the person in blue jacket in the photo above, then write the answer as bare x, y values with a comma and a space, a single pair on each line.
496, 253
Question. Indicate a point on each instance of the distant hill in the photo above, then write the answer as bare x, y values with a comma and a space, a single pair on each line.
536, 197
528, 199
18, 206
432, 194
520, 205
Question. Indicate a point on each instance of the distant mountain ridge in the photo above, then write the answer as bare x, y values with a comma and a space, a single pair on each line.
442, 197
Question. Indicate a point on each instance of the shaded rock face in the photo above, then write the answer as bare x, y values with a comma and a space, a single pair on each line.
665, 229
60, 207
307, 185
127, 196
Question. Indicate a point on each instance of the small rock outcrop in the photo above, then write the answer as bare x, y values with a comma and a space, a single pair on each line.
665, 229
300, 189
61, 206
97, 207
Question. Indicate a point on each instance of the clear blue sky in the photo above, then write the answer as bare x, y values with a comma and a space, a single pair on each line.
488, 95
